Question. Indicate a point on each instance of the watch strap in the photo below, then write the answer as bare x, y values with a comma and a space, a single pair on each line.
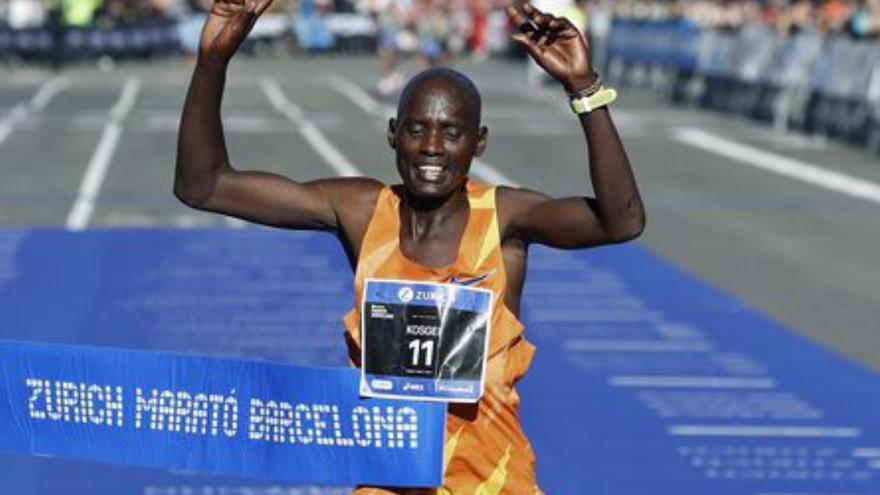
586, 104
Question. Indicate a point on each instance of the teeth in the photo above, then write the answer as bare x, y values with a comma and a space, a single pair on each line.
430, 172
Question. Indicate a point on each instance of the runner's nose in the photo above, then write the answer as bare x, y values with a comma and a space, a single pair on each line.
432, 143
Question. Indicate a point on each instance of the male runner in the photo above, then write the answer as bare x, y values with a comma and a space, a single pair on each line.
438, 225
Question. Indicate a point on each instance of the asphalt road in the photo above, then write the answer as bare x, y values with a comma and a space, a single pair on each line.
87, 149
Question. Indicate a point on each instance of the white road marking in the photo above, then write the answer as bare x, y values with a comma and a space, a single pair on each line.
866, 452
491, 174
10, 120
619, 345
235, 223
48, 91
764, 431
169, 121
555, 98
782, 165
308, 130
129, 220
726, 382
37, 103
82, 210
361, 98
371, 106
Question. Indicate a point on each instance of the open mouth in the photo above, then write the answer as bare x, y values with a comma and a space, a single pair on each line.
430, 173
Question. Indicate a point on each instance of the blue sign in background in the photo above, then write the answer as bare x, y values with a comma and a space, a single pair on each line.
646, 381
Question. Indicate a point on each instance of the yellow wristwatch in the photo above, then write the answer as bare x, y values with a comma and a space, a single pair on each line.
586, 104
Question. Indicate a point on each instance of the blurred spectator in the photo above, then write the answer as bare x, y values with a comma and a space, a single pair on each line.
432, 26
311, 30
865, 21
79, 13
394, 18
857, 18
26, 13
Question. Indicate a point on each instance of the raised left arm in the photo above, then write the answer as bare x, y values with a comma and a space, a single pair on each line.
616, 214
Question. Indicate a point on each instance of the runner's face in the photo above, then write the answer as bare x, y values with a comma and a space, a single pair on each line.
435, 138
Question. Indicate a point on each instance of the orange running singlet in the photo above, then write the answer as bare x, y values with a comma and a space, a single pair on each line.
486, 452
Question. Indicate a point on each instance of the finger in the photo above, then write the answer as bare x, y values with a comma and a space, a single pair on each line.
540, 23
567, 29
536, 17
548, 38
516, 16
536, 34
556, 24
542, 20
555, 28
262, 5
527, 43
249, 22
530, 10
237, 30
520, 20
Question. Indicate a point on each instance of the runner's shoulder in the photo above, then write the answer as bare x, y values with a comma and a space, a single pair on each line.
511, 201
353, 198
514, 202
350, 190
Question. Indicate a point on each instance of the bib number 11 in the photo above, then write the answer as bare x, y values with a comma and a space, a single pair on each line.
422, 350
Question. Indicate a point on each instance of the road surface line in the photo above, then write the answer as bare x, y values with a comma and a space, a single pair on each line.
82, 210
48, 91
38, 102
361, 98
764, 431
867, 452
10, 120
234, 223
370, 105
491, 174
615, 345
330, 153
782, 165
726, 382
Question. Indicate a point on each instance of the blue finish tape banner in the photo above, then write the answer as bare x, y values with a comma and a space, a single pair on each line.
214, 415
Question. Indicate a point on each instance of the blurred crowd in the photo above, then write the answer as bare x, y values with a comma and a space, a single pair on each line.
466, 22
857, 18
21, 14
434, 30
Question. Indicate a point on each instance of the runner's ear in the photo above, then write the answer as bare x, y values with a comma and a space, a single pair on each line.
392, 130
482, 140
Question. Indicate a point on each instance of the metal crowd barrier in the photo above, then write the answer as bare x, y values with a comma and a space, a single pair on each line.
817, 84
345, 32
73, 43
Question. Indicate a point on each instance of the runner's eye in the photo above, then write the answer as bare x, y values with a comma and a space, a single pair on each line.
453, 133
415, 130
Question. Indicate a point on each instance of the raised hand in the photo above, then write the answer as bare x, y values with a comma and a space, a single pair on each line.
555, 44
227, 26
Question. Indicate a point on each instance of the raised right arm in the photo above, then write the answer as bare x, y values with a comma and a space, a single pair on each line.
204, 177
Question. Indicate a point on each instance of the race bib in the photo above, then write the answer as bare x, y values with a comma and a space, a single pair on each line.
424, 340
